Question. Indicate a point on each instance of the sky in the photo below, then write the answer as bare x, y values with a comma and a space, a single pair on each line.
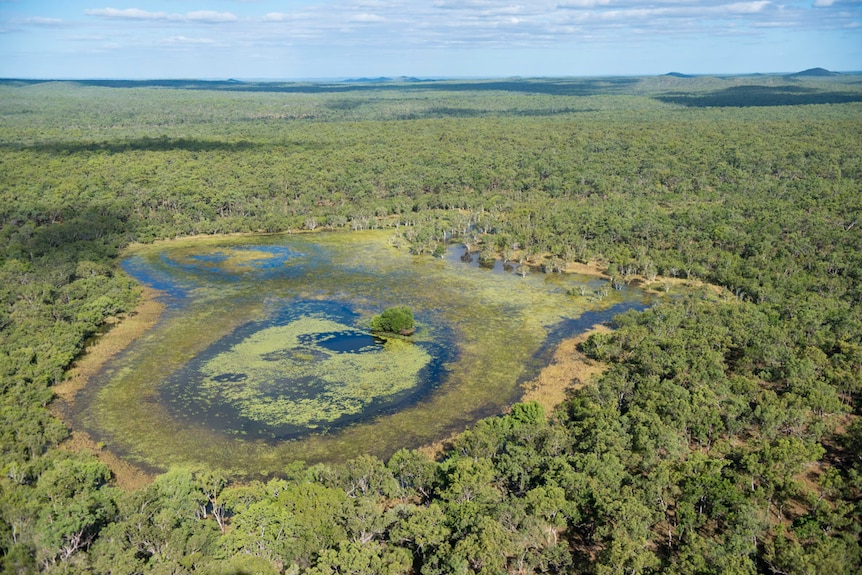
319, 39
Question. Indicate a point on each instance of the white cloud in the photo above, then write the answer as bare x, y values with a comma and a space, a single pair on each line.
174, 40
367, 18
205, 16
40, 21
747, 7
126, 14
210, 16
492, 23
376, 33
578, 4
463, 4
277, 17
401, 25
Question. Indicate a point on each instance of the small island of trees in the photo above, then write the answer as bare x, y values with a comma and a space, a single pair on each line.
398, 319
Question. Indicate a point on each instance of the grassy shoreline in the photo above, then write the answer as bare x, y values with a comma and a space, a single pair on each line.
125, 330
569, 370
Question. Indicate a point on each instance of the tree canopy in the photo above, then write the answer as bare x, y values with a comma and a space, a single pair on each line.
398, 319
724, 436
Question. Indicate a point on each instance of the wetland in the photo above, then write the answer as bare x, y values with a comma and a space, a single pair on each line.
263, 354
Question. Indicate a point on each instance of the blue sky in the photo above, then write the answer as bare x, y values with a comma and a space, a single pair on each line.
280, 39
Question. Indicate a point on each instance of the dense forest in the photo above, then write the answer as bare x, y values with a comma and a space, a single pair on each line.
724, 437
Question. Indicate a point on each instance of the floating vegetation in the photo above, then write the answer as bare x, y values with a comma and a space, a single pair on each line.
242, 259
264, 354
290, 378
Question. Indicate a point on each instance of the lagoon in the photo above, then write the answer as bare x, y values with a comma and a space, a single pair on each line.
263, 357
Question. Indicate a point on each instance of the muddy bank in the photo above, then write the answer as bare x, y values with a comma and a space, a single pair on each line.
569, 370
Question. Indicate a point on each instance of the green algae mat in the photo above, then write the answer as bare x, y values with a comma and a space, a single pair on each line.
263, 355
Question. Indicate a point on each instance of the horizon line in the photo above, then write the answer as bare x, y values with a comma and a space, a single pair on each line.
402, 77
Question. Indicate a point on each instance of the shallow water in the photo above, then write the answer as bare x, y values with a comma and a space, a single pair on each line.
263, 355
305, 368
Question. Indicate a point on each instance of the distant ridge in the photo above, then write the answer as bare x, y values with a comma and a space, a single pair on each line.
818, 72
382, 79
679, 75
367, 80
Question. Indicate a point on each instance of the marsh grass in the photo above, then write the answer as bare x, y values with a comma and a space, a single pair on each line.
127, 475
109, 343
97, 353
486, 327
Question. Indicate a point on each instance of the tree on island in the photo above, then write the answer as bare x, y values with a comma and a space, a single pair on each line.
398, 319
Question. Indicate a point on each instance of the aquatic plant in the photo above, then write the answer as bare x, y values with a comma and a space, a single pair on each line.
281, 376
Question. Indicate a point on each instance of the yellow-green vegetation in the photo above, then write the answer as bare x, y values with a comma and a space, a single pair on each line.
286, 381
233, 260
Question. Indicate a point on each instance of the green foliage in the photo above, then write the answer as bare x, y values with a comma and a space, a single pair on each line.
363, 559
165, 526
414, 472
397, 319
530, 413
701, 450
63, 513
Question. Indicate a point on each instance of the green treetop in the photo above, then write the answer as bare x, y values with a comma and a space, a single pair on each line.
397, 319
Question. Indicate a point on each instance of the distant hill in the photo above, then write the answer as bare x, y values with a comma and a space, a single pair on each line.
815, 72
679, 75
367, 80
382, 79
